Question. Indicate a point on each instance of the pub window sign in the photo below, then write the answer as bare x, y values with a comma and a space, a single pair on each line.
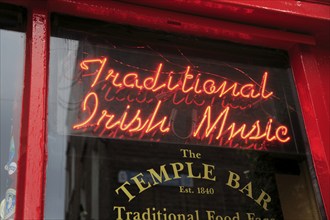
179, 127
145, 95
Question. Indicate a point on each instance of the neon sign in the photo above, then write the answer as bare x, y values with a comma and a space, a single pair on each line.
188, 84
145, 106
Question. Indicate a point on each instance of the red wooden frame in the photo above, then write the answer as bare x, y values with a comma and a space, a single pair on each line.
32, 156
264, 24
314, 108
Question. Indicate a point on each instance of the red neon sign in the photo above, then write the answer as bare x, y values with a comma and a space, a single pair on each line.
189, 83
194, 89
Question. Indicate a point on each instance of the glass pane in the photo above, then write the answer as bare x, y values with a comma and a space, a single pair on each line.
150, 125
12, 54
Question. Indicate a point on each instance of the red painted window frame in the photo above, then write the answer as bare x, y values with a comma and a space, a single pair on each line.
188, 17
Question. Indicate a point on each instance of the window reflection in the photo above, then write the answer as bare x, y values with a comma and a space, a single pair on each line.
12, 54
114, 174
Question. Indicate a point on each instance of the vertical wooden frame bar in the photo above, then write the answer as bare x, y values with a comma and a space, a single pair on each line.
32, 157
308, 80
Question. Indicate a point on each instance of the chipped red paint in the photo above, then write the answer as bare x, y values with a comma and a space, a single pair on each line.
261, 23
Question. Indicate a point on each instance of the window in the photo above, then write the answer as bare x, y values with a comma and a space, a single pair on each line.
12, 50
151, 125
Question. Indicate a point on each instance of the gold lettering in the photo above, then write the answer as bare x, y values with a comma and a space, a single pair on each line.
119, 209
208, 172
127, 193
247, 188
210, 215
250, 216
233, 179
177, 167
190, 171
264, 198
139, 183
159, 177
